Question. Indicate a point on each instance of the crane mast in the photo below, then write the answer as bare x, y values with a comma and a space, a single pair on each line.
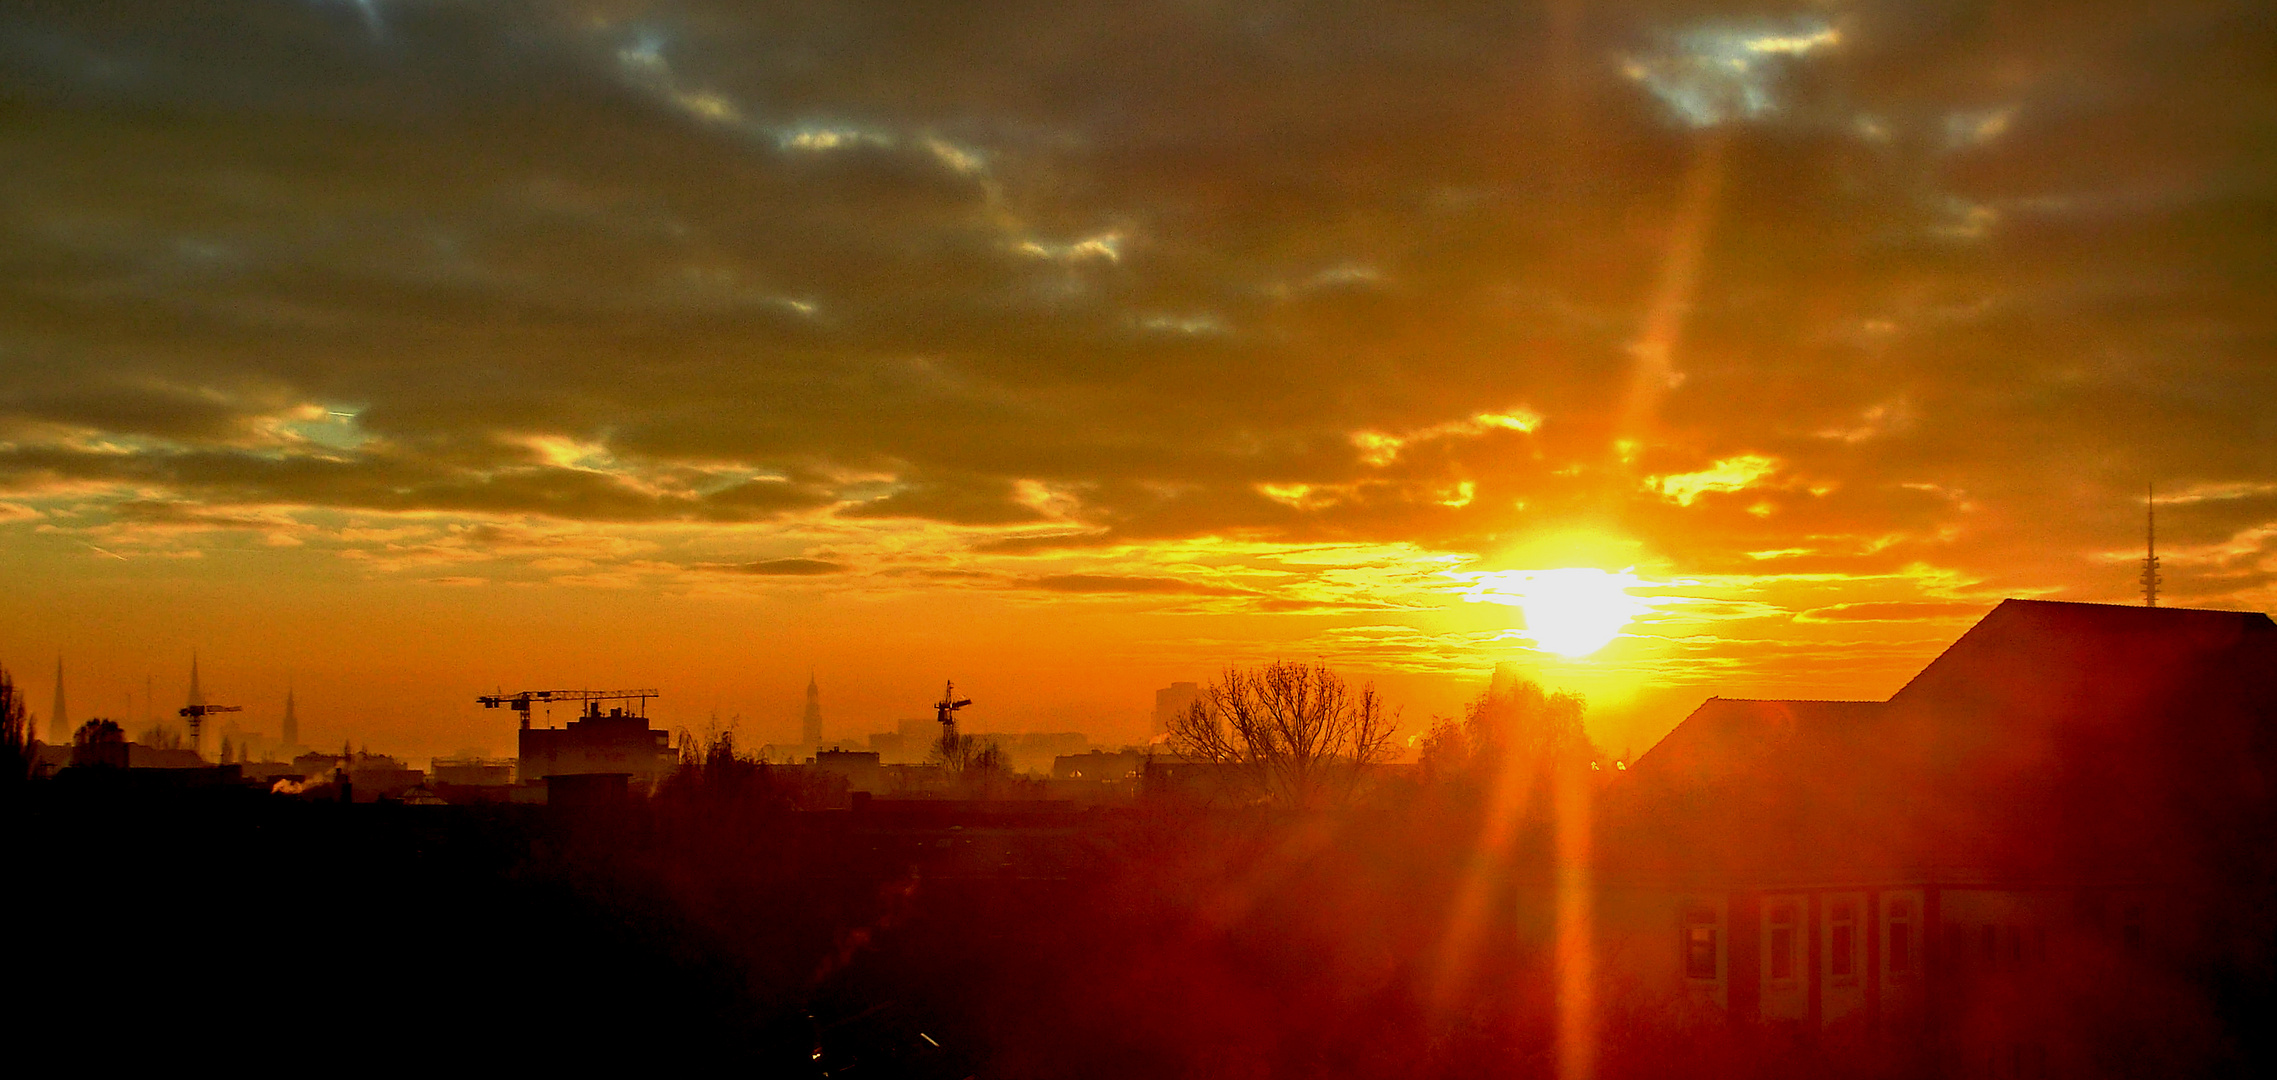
945, 711
196, 715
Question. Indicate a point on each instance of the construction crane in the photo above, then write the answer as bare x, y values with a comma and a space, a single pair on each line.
945, 710
196, 715
520, 702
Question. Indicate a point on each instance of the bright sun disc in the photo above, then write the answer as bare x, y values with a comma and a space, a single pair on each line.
1570, 612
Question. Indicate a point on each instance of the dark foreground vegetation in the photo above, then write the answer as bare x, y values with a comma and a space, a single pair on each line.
717, 926
725, 924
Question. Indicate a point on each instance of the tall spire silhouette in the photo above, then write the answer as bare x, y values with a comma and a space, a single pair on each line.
292, 723
2151, 578
58, 718
810, 730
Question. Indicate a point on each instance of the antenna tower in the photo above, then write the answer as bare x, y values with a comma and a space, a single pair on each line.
2151, 578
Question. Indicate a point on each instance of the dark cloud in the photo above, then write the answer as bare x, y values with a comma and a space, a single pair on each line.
185, 515
1129, 583
962, 501
1044, 543
784, 568
1166, 262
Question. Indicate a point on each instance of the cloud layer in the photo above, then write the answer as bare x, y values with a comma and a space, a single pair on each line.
1048, 298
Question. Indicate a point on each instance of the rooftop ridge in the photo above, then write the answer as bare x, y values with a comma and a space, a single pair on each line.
1796, 701
2161, 611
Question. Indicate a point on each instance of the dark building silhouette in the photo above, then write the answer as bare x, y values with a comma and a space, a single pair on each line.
1100, 766
2069, 803
861, 769
141, 756
378, 776
472, 772
617, 741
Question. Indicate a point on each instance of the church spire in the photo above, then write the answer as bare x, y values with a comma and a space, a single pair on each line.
810, 729
59, 718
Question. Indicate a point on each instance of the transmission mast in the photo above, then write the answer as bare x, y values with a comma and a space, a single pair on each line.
2151, 577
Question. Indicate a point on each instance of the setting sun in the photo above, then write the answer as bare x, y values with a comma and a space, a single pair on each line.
1571, 612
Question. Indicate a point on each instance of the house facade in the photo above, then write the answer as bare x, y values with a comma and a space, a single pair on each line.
2024, 863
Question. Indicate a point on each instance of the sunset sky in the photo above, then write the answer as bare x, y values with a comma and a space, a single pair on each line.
403, 351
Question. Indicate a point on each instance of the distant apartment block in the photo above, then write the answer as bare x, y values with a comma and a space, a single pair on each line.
613, 742
1173, 700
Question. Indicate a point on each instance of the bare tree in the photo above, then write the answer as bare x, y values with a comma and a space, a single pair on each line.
978, 766
1297, 732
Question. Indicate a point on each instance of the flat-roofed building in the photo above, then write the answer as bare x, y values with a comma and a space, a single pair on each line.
598, 743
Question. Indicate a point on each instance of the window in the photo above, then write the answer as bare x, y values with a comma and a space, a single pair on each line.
2016, 945
1781, 946
1901, 936
1991, 940
1842, 940
1700, 943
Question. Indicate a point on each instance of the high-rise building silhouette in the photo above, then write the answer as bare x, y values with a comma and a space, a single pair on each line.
58, 718
1173, 700
810, 728
292, 723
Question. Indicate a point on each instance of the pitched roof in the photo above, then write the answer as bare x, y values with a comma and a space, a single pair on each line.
2049, 734
1728, 736
2056, 653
